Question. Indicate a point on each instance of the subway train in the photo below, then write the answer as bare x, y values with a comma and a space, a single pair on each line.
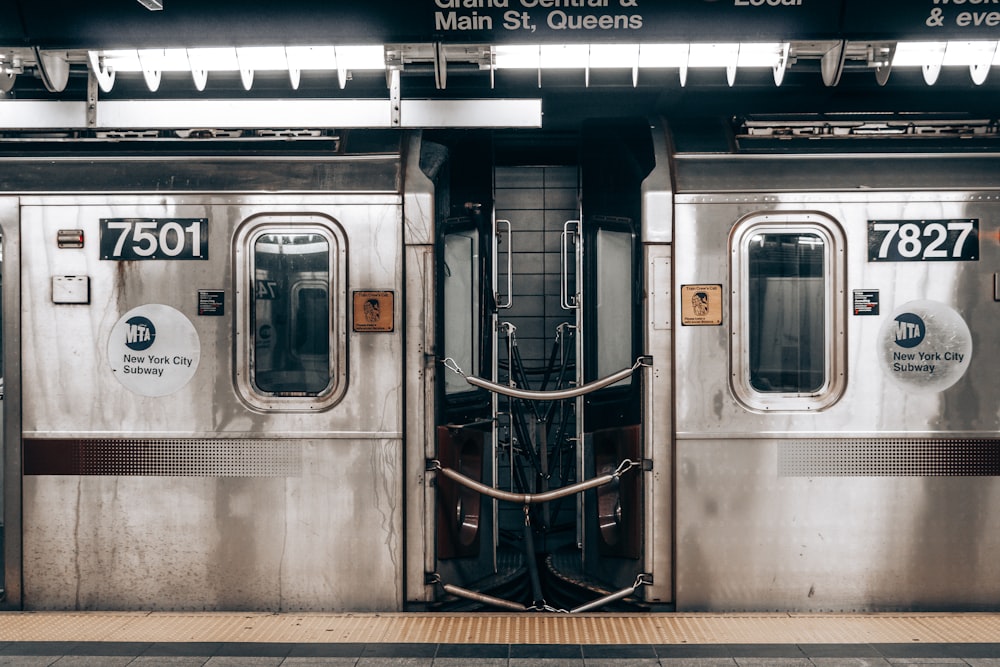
745, 364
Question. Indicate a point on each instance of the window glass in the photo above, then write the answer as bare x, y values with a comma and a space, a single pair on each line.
291, 313
786, 310
461, 306
788, 343
614, 301
290, 324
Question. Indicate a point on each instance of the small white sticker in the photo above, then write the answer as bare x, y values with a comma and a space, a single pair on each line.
154, 350
925, 346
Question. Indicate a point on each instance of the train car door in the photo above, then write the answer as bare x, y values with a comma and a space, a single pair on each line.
465, 425
10, 405
615, 159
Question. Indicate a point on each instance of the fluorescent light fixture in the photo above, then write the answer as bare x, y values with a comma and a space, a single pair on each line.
575, 56
518, 57
979, 56
663, 55
970, 53
152, 5
361, 57
918, 54
245, 60
608, 56
705, 56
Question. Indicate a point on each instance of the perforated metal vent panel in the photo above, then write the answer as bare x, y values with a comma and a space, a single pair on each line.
889, 458
164, 457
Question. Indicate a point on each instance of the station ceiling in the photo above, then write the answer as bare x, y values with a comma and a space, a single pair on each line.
585, 58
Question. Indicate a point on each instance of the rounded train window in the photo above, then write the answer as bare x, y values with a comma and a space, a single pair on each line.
290, 312
787, 340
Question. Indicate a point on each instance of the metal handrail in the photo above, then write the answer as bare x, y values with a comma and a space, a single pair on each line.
532, 498
555, 395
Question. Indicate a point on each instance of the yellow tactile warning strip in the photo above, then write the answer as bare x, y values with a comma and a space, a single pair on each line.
500, 628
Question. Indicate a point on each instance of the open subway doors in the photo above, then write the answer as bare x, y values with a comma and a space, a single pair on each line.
541, 470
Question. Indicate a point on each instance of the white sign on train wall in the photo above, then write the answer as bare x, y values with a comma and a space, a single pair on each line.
154, 350
925, 346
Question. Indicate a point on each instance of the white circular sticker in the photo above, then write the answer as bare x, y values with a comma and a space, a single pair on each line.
925, 346
154, 350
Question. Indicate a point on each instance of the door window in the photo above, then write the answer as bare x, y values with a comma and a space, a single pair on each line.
788, 340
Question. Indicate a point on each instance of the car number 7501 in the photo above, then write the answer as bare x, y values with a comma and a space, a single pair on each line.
154, 238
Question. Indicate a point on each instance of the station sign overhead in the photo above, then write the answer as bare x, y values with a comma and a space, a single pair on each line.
118, 24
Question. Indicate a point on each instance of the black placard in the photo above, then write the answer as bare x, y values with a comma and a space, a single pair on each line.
923, 240
211, 302
865, 302
131, 239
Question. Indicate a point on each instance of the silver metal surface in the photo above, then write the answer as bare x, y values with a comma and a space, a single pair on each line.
751, 536
420, 374
751, 539
658, 424
10, 405
234, 113
323, 534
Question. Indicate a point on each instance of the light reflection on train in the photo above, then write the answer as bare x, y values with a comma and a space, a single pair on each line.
684, 371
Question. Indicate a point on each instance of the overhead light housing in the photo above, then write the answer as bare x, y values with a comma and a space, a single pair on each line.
152, 5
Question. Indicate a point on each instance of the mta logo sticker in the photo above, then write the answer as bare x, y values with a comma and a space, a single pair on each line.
924, 347
139, 333
909, 330
153, 360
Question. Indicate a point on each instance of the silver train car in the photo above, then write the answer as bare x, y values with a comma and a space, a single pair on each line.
746, 366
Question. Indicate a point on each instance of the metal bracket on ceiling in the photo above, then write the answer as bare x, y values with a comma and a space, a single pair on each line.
440, 66
104, 76
782, 65
979, 71
882, 55
53, 67
92, 83
395, 103
832, 64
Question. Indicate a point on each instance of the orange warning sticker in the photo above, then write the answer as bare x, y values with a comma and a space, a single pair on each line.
373, 311
701, 305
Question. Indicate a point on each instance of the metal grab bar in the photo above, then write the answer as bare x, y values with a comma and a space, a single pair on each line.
460, 592
641, 580
571, 230
531, 498
555, 395
510, 265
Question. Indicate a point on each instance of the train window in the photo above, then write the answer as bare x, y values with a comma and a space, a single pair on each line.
614, 301
788, 341
461, 305
290, 323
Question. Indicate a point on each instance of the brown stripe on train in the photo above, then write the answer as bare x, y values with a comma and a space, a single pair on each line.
52, 457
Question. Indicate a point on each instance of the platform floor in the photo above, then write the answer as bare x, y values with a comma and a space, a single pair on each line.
111, 639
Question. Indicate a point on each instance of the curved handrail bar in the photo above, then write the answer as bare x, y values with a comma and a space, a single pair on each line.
555, 395
530, 498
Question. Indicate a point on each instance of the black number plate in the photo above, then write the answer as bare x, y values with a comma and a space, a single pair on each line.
154, 238
923, 240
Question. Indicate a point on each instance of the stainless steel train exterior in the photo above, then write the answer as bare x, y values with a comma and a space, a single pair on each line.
167, 478
281, 381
